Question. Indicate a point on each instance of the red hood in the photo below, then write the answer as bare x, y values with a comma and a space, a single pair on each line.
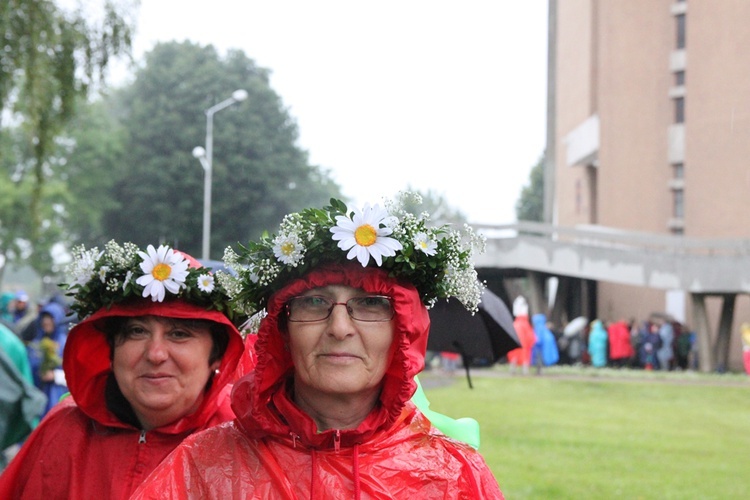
252, 395
87, 365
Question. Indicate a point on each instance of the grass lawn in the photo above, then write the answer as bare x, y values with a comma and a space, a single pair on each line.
619, 434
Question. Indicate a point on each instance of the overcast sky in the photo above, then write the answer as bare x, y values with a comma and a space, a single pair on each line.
440, 95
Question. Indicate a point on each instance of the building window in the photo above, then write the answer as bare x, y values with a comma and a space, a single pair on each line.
680, 30
679, 170
679, 78
678, 208
679, 110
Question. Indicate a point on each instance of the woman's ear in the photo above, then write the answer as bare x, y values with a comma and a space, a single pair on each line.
215, 366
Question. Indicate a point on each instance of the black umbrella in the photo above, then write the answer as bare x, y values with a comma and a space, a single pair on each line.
485, 336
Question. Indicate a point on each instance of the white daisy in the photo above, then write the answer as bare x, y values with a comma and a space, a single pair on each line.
103, 273
363, 236
287, 248
164, 270
424, 243
206, 283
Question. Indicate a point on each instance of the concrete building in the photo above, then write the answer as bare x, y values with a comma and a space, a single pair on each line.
649, 131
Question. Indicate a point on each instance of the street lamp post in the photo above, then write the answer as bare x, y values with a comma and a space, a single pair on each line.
205, 156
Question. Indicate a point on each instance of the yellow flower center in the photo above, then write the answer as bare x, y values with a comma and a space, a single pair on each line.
287, 248
161, 271
365, 235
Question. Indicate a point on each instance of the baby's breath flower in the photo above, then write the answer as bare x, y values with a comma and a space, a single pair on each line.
113, 285
231, 284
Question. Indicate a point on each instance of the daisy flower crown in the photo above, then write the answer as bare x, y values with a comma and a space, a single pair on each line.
436, 260
119, 273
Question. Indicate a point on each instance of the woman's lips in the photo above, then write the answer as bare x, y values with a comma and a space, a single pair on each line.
156, 377
340, 357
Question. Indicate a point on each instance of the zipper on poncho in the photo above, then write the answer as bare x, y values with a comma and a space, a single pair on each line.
142, 438
337, 440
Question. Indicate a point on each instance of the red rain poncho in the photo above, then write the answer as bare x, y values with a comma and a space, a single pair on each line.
82, 450
527, 338
274, 450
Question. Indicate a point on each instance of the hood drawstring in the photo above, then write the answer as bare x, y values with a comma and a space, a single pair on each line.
294, 437
355, 466
142, 438
313, 465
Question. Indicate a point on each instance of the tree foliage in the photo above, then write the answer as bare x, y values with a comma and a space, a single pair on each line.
50, 60
530, 204
441, 212
154, 186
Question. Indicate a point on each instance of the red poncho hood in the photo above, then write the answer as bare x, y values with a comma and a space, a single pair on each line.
86, 360
260, 399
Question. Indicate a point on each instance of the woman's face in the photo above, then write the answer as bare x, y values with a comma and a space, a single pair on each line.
48, 324
161, 366
339, 355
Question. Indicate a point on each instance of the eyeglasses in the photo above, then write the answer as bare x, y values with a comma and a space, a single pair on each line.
308, 308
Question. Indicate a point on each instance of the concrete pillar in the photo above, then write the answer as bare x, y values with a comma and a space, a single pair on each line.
702, 332
537, 301
723, 339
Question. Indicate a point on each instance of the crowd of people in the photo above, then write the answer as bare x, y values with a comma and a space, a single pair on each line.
32, 337
168, 400
659, 343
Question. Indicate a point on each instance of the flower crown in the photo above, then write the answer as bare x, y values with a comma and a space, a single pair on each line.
436, 260
100, 279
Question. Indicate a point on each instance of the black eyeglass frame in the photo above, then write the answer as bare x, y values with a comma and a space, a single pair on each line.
334, 304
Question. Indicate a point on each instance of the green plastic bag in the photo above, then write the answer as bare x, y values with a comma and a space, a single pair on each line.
463, 429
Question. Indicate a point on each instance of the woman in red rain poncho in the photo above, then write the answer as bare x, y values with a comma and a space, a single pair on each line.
145, 369
327, 411
521, 324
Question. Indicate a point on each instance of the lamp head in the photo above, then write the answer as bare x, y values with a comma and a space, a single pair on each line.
199, 152
239, 95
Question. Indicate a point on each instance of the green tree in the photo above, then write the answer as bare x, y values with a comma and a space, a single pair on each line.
51, 59
95, 163
155, 185
530, 204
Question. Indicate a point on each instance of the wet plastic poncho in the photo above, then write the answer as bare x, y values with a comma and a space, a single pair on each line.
525, 332
620, 345
274, 450
598, 344
81, 449
546, 344
45, 353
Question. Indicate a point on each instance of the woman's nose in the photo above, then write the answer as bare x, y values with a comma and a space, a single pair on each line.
157, 350
339, 322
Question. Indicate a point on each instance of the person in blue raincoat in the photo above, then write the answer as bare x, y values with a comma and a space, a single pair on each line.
46, 350
545, 351
598, 344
